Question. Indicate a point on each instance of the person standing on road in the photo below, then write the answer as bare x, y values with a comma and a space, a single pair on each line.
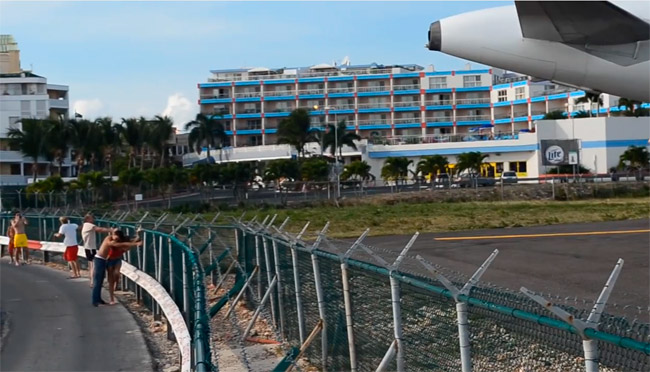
20, 238
89, 236
69, 232
113, 266
115, 241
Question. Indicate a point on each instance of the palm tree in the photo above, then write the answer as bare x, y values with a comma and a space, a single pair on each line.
633, 107
590, 98
86, 139
358, 170
208, 131
635, 157
161, 129
296, 131
555, 115
471, 161
31, 140
59, 140
396, 169
432, 165
345, 138
112, 141
132, 133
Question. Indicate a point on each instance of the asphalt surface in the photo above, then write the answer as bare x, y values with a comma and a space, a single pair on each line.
567, 266
53, 327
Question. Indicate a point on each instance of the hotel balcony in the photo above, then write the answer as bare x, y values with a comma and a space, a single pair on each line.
383, 147
59, 104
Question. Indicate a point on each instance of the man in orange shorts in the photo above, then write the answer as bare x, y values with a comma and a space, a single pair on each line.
69, 232
20, 238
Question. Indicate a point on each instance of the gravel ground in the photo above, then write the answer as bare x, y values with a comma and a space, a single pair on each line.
230, 352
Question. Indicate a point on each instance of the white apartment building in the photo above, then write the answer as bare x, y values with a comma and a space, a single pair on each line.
24, 94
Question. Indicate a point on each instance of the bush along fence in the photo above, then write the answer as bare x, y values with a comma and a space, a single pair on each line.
345, 305
164, 256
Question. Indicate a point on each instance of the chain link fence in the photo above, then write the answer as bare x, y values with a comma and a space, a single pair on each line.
507, 330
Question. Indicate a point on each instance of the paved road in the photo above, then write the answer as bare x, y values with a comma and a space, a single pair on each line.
562, 265
53, 327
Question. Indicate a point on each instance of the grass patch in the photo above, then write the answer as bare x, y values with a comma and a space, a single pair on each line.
406, 218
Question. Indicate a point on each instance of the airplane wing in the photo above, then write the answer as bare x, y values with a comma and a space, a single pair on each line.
580, 22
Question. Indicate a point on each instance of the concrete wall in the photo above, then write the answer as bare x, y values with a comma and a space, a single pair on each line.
602, 140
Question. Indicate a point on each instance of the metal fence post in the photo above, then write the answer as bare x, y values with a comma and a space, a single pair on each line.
348, 302
172, 292
269, 270
210, 254
186, 294
590, 346
296, 281
319, 293
461, 307
395, 300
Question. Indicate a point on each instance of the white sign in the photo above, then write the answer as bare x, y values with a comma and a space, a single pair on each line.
554, 154
573, 157
138, 197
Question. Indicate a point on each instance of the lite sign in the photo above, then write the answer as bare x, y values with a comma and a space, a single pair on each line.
559, 152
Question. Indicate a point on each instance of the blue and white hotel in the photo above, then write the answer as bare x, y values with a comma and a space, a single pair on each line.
393, 108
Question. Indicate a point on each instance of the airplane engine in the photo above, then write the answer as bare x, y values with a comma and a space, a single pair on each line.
550, 40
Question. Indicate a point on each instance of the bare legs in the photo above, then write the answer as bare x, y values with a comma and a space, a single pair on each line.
113, 278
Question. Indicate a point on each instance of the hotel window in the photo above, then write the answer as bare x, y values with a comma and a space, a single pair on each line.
502, 95
438, 82
472, 81
520, 93
518, 166
227, 125
253, 124
251, 108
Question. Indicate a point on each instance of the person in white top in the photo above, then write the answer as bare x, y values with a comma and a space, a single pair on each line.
69, 232
89, 237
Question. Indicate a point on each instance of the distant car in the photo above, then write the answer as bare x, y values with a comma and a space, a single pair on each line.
509, 177
442, 181
467, 180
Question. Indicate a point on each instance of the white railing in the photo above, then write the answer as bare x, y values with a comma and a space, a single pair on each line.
311, 91
212, 96
472, 101
341, 107
471, 84
373, 89
407, 104
472, 117
373, 105
439, 119
368, 71
438, 86
406, 120
247, 94
406, 87
443, 138
520, 113
249, 111
275, 93
373, 121
279, 109
59, 103
341, 90
504, 115
438, 103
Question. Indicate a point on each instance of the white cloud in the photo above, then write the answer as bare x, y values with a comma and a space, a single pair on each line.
89, 108
180, 109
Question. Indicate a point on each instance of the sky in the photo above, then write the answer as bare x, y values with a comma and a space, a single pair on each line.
126, 59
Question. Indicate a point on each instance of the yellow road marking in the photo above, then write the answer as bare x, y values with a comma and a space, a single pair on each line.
545, 235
